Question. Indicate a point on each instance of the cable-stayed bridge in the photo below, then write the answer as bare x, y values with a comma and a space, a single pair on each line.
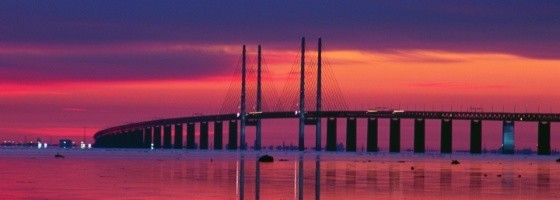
311, 96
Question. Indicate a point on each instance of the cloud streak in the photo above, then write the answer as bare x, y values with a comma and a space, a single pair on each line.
524, 28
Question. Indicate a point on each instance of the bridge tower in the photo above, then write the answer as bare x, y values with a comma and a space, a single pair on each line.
319, 93
243, 88
302, 97
259, 101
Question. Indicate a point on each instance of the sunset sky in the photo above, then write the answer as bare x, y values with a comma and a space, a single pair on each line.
66, 65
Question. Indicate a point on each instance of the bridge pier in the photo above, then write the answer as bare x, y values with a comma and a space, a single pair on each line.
131, 139
351, 134
508, 143
128, 138
543, 147
446, 135
395, 135
476, 136
178, 144
218, 132
167, 136
148, 137
419, 135
190, 136
331, 134
232, 136
139, 138
203, 135
125, 139
157, 137
372, 135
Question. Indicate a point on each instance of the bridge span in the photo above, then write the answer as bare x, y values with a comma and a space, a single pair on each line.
158, 133
143, 134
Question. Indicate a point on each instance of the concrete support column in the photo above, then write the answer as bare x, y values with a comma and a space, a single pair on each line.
139, 138
446, 135
508, 143
123, 139
543, 147
331, 134
395, 135
178, 144
157, 137
372, 144
203, 135
129, 139
167, 137
351, 134
419, 135
190, 136
476, 136
232, 138
218, 135
148, 137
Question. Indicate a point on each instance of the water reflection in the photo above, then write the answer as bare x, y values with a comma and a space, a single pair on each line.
445, 177
350, 175
236, 176
257, 178
418, 180
543, 178
241, 177
372, 176
507, 178
394, 177
300, 177
318, 177
475, 178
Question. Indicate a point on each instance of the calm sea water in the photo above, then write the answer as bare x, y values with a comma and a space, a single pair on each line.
181, 174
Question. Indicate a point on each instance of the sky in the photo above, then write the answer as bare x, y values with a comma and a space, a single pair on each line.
66, 65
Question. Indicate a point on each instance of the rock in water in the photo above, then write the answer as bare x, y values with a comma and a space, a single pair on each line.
455, 162
266, 158
558, 160
57, 155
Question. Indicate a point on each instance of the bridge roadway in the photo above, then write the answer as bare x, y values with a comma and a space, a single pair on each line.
108, 137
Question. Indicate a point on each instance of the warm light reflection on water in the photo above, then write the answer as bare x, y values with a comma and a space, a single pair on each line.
173, 174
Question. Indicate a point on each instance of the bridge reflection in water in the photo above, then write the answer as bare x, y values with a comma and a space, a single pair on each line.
417, 177
140, 174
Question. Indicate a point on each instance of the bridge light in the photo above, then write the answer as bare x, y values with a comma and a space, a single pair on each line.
296, 112
238, 114
254, 113
371, 111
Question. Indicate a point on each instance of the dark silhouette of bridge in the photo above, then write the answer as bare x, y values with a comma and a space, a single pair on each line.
158, 133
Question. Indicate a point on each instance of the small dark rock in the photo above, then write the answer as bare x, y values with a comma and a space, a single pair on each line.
485, 175
266, 158
411, 168
519, 176
558, 160
455, 162
499, 175
57, 155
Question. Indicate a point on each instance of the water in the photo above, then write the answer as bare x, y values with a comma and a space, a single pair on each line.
181, 174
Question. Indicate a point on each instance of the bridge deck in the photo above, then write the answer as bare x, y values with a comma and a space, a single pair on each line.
534, 117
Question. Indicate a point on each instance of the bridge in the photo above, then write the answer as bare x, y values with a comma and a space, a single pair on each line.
158, 133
